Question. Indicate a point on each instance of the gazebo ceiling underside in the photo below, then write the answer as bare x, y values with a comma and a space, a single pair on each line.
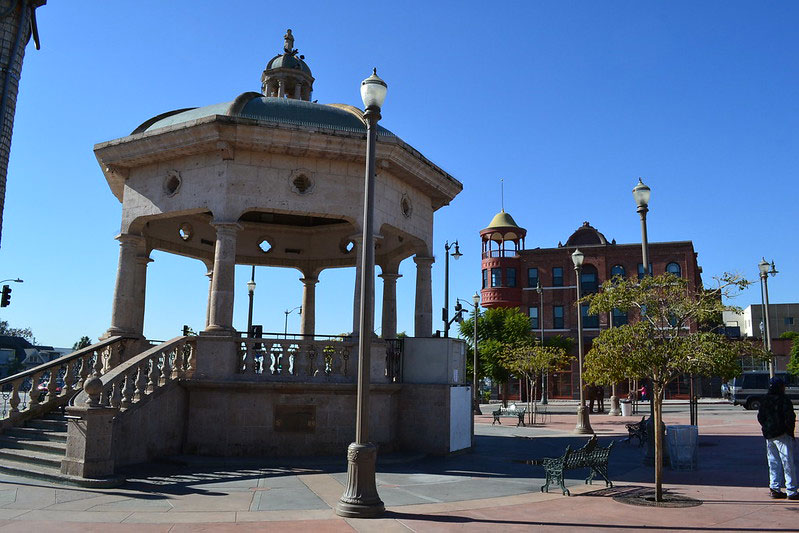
308, 243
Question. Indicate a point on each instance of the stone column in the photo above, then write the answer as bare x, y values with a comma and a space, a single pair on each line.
281, 88
221, 313
210, 276
389, 326
125, 307
298, 91
140, 291
423, 315
308, 325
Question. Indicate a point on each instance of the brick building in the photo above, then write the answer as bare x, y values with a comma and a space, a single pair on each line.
541, 282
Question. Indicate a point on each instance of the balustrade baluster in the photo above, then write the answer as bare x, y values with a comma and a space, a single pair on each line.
99, 362
190, 358
33, 393
166, 370
14, 401
128, 389
69, 377
52, 384
249, 357
177, 368
141, 382
152, 377
85, 362
116, 393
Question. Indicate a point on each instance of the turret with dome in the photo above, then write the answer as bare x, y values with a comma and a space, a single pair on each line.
502, 241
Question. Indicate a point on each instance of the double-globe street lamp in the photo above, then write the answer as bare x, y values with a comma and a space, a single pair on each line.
583, 423
445, 311
763, 266
360, 498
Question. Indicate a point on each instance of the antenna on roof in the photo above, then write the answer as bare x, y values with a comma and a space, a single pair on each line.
502, 194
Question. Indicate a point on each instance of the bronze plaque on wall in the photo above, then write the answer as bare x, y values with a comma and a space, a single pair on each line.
296, 418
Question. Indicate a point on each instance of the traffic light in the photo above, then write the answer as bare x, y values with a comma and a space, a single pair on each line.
5, 301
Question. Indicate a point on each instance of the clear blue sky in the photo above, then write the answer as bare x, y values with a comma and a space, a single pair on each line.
569, 102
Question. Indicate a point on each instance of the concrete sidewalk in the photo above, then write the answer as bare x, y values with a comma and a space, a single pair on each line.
480, 491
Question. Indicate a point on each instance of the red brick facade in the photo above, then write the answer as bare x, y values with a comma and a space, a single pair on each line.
559, 293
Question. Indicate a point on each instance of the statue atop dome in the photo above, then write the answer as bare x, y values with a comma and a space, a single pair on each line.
288, 43
287, 75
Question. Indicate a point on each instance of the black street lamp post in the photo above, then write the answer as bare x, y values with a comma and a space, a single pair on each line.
763, 266
360, 498
445, 311
583, 423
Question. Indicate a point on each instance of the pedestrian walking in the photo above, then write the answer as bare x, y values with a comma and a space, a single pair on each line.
777, 420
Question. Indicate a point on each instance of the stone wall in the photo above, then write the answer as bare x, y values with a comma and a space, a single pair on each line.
284, 419
155, 428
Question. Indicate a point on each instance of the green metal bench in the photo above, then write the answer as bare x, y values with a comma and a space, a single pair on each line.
513, 413
589, 456
637, 430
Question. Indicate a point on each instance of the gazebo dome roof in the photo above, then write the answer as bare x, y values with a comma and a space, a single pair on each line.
586, 235
252, 105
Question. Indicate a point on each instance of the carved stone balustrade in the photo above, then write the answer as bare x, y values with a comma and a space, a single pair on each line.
38, 390
311, 360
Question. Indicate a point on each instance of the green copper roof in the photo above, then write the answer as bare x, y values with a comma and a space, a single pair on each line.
337, 117
502, 220
288, 61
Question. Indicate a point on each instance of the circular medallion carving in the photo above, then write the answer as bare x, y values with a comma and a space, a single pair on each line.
406, 206
172, 183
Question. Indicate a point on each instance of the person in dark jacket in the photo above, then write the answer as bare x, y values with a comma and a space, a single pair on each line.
777, 420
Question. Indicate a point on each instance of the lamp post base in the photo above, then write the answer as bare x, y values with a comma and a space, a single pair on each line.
615, 409
360, 498
583, 424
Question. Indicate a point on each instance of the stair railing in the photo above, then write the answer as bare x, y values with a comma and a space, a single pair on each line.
136, 379
38, 390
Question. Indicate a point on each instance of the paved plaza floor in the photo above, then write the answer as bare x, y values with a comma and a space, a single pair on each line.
480, 491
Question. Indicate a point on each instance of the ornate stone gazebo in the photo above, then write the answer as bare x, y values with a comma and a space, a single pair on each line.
268, 179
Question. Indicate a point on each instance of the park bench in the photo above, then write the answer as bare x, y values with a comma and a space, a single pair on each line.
637, 430
589, 456
509, 412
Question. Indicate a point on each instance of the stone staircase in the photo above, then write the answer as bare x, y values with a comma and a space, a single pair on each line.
36, 449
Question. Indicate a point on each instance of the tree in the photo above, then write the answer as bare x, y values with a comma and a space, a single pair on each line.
531, 359
665, 341
793, 362
82, 343
25, 333
498, 329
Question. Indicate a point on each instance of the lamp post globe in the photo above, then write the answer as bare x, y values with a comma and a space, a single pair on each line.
360, 498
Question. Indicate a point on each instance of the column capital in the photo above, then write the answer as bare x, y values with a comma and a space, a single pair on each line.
390, 276
309, 280
130, 239
144, 260
424, 261
226, 227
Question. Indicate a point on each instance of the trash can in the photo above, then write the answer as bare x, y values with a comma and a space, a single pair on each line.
626, 407
682, 446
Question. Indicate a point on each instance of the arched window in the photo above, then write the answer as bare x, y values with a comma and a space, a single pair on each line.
674, 268
617, 270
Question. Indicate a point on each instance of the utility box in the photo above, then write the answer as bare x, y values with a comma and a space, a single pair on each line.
434, 360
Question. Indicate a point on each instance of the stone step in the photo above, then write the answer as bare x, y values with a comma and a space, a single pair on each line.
54, 475
37, 434
55, 447
47, 425
14, 455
